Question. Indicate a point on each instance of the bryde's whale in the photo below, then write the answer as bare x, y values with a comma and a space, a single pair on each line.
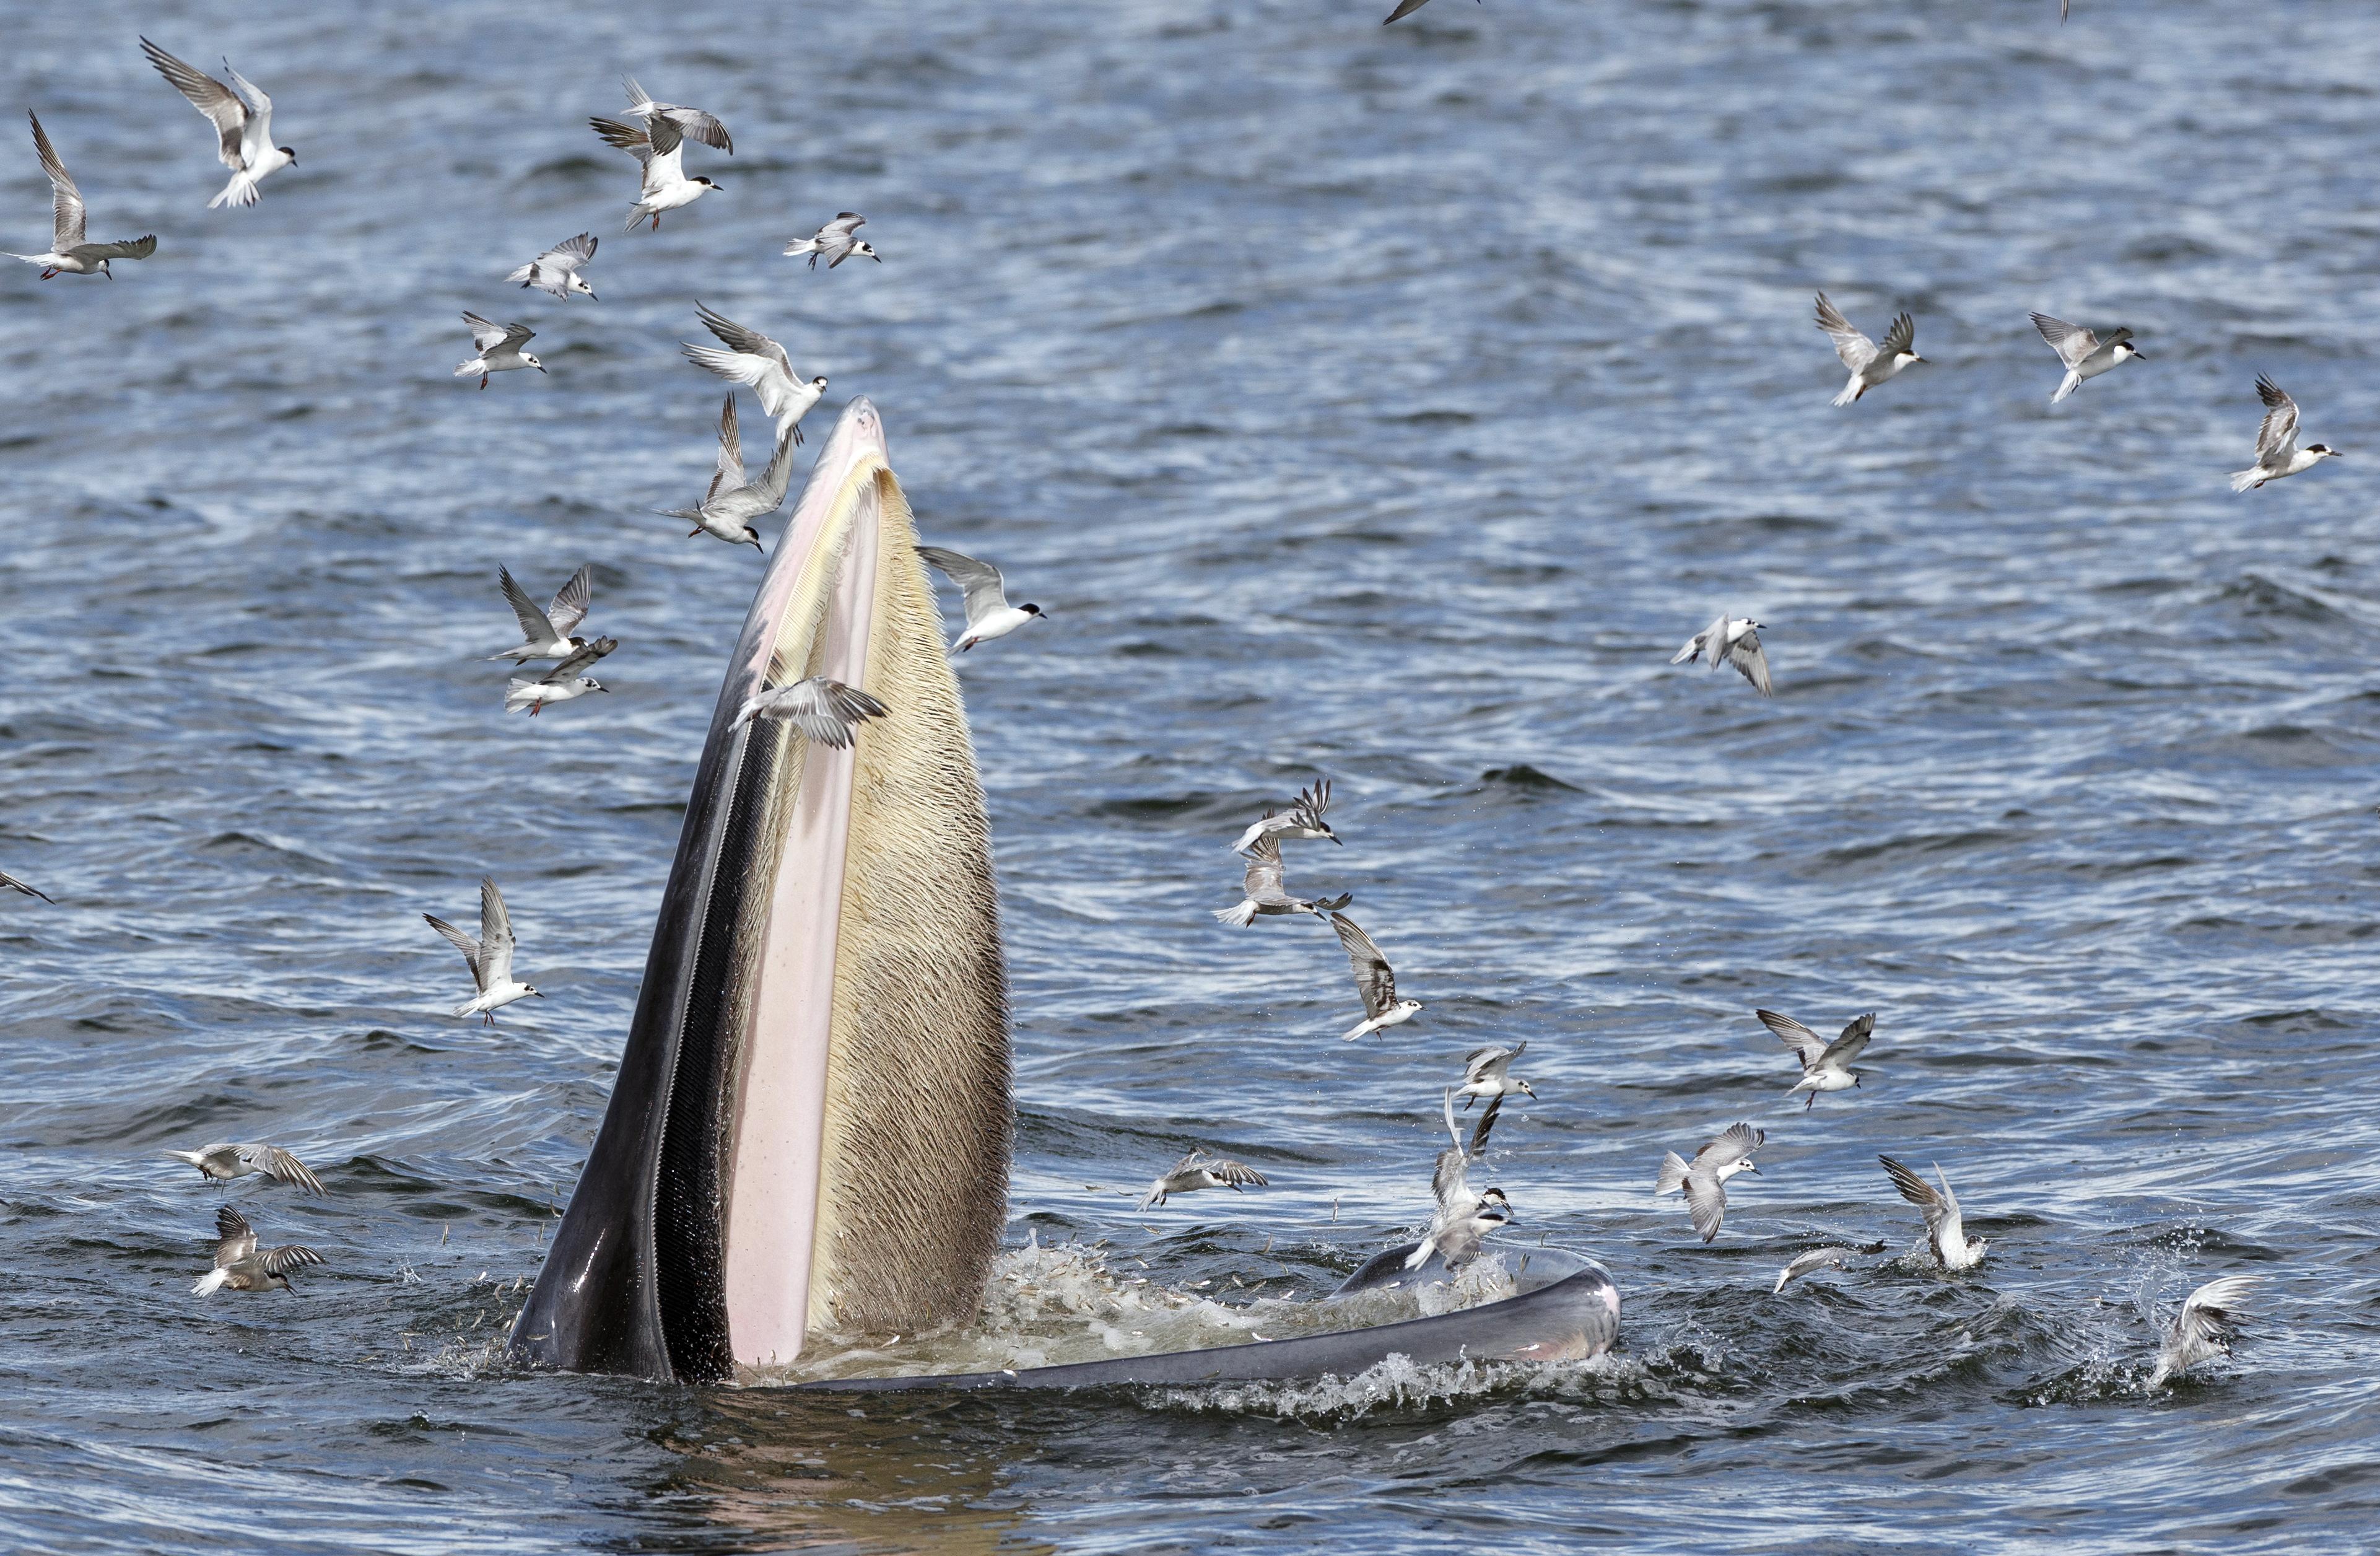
812, 1124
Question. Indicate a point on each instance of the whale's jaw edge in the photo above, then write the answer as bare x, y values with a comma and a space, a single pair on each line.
811, 1122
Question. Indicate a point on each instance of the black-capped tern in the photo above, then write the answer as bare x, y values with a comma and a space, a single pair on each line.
1460, 1226
221, 1163
555, 272
1266, 896
1302, 819
827, 712
660, 150
691, 122
989, 614
1826, 1066
731, 501
1376, 981
2085, 354
835, 243
69, 255
499, 349
244, 128
1945, 1232
490, 956
240, 1265
1487, 1072
759, 364
1870, 363
564, 682
2278, 453
1199, 1170
1704, 1179
1730, 640
2203, 1328
548, 634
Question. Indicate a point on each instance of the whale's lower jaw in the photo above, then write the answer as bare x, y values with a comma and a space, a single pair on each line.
811, 1124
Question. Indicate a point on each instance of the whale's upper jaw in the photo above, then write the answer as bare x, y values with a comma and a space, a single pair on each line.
829, 916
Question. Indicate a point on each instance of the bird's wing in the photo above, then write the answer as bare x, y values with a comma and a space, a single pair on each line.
1952, 1234
1706, 1202
825, 711
582, 658
1735, 1140
1747, 656
484, 335
702, 127
2207, 1313
730, 473
462, 942
1816, 1259
515, 336
1263, 874
281, 1261
770, 490
1901, 337
209, 96
1480, 1131
536, 626
1806, 1045
1693, 646
495, 928
2072, 342
1310, 805
126, 249
985, 592
1914, 1189
1236, 1174
1404, 8
1856, 350
1847, 1047
1494, 1059
234, 1239
570, 601
67, 212
570, 253
2277, 441
844, 224
736, 337
258, 134
280, 1164
763, 375
1375, 981
1714, 637
668, 156
627, 137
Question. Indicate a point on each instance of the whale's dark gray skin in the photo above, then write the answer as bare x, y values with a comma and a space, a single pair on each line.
829, 921
1566, 1309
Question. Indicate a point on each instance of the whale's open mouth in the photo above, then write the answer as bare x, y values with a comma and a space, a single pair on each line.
812, 1124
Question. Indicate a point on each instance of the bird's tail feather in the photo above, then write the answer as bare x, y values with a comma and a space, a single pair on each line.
1673, 1174
2242, 480
241, 191
2073, 382
1238, 918
210, 1283
1357, 1030
1851, 392
521, 274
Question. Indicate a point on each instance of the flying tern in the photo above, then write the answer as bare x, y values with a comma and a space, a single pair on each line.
245, 126
1266, 896
69, 255
1303, 819
1199, 1170
989, 614
221, 1163
2085, 354
1464, 1217
835, 242
759, 364
1945, 1233
660, 150
731, 502
564, 681
240, 1265
1870, 363
2278, 453
1705, 1178
10, 883
548, 634
1832, 1258
556, 271
500, 350
1826, 1066
1487, 1072
1376, 982
490, 956
691, 122
827, 713
1731, 641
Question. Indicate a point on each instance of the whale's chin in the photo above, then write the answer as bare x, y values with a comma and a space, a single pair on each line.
810, 1129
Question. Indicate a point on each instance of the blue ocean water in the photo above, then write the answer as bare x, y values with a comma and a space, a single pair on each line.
1385, 405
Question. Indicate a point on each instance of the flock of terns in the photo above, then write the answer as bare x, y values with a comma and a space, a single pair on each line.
827, 712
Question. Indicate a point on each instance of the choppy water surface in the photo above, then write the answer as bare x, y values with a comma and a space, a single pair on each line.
1301, 369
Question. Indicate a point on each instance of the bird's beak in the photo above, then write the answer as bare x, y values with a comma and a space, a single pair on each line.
540, 367
1337, 838
1753, 1170
2139, 356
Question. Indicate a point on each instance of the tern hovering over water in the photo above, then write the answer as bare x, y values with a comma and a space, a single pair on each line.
490, 956
1487, 1072
240, 1265
245, 126
1945, 1232
221, 1163
691, 122
988, 613
1826, 1066
2085, 355
1871, 364
555, 272
2202, 1330
1731, 641
1197, 1170
761, 365
1376, 982
1464, 1218
1705, 1178
564, 681
10, 883
1303, 819
826, 712
69, 255
732, 503
547, 633
499, 348
2278, 453
1265, 895
834, 242
660, 150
